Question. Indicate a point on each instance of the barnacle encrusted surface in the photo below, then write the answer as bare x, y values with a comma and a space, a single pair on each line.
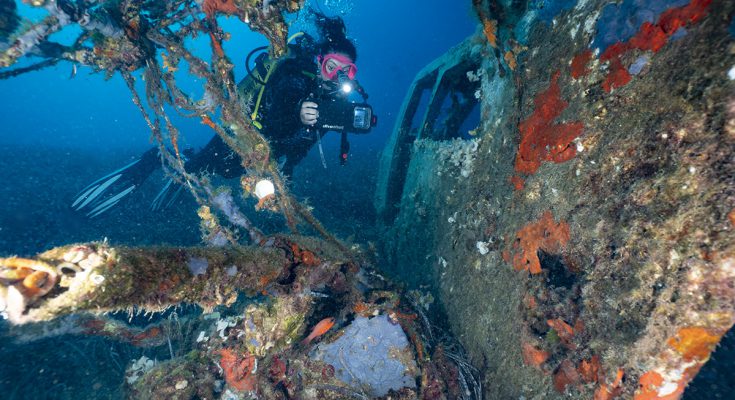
604, 174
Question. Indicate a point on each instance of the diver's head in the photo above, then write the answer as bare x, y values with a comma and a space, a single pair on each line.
336, 51
336, 67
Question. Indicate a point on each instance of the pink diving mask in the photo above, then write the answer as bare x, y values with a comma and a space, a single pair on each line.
347, 66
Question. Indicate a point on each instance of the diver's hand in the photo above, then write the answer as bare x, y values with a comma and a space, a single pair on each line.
309, 113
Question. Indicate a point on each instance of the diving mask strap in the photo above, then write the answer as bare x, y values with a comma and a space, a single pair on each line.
321, 150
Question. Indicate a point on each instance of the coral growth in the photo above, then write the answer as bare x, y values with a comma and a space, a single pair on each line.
544, 235
654, 387
565, 375
303, 256
212, 7
563, 330
609, 391
239, 369
31, 278
208, 121
517, 182
541, 138
650, 37
510, 59
490, 29
533, 356
617, 77
695, 343
216, 46
579, 64
148, 337
153, 334
590, 370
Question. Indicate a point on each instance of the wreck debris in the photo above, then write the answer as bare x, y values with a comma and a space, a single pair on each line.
289, 271
27, 40
25, 281
149, 278
623, 146
633, 306
697, 333
366, 343
245, 352
448, 77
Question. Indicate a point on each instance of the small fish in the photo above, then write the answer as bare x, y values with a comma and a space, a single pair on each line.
321, 328
73, 71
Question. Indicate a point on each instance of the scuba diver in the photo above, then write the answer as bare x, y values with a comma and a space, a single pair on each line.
293, 101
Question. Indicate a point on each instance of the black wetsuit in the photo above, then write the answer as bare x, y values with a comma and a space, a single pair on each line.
289, 85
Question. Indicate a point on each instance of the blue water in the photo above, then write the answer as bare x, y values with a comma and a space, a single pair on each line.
79, 129
90, 113
59, 133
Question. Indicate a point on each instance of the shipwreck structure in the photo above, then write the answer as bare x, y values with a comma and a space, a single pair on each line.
259, 307
581, 239
562, 183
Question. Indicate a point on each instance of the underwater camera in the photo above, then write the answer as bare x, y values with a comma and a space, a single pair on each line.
337, 113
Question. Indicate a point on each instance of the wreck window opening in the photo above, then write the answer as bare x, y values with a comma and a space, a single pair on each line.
441, 105
417, 117
469, 127
67, 35
458, 115
414, 113
454, 100
445, 118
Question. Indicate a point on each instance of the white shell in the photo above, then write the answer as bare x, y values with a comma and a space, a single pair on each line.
264, 188
97, 279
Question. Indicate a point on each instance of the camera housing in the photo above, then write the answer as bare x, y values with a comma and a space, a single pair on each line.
340, 114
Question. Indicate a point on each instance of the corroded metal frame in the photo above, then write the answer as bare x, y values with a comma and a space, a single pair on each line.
442, 77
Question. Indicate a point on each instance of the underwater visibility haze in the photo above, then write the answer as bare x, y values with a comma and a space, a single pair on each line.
355, 199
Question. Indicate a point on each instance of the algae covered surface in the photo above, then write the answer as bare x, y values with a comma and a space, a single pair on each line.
590, 250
